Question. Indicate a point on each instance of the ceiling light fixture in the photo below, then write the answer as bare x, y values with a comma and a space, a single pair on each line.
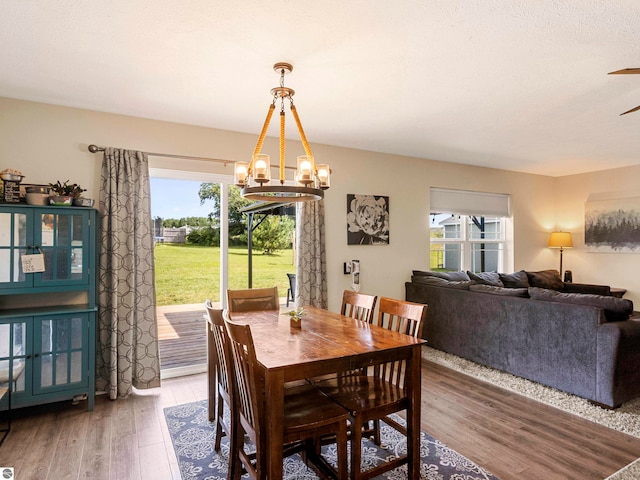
311, 178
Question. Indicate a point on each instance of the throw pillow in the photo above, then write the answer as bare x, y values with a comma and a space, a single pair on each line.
441, 282
546, 279
615, 309
486, 278
515, 280
511, 292
453, 276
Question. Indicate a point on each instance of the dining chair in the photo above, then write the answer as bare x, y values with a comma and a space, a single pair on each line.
253, 299
220, 371
373, 395
308, 414
358, 305
291, 291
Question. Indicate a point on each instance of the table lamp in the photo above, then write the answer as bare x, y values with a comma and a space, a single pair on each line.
560, 240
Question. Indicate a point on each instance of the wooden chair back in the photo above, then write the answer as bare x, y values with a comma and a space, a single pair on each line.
253, 299
358, 305
248, 385
220, 376
219, 341
401, 316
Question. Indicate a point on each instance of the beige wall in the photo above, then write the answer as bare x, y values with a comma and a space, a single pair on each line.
49, 143
615, 269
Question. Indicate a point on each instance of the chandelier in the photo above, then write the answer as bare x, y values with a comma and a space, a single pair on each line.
254, 177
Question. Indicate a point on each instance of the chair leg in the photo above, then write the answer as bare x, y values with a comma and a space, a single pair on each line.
376, 432
341, 447
219, 420
356, 447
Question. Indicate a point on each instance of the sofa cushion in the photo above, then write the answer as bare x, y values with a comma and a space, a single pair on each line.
453, 276
546, 279
515, 280
615, 309
511, 292
486, 278
441, 282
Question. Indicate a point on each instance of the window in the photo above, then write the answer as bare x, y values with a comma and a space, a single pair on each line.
467, 242
468, 231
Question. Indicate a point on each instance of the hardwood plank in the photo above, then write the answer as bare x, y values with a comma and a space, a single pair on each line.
96, 456
69, 449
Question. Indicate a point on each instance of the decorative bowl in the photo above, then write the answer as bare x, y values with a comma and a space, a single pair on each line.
60, 200
11, 177
83, 202
37, 198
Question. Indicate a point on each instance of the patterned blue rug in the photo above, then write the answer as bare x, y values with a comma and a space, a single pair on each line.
193, 436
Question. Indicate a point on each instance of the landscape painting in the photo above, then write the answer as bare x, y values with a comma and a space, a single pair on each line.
613, 225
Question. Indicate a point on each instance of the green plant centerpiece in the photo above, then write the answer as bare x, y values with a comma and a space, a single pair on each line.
67, 190
64, 194
295, 317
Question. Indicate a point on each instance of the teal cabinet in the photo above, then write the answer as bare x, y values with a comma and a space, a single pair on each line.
48, 316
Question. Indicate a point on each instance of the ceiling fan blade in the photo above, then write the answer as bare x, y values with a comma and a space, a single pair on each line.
632, 110
626, 71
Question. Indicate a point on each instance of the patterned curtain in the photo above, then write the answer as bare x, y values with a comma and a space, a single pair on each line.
127, 353
311, 270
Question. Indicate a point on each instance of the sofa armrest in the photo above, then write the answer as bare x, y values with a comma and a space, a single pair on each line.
587, 288
618, 357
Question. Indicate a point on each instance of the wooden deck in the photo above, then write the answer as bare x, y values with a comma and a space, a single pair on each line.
182, 336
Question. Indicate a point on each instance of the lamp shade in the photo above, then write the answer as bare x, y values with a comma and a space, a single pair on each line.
560, 240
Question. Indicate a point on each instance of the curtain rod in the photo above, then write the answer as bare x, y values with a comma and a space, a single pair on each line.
95, 149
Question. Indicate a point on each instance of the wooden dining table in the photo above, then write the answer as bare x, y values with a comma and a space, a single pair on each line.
326, 343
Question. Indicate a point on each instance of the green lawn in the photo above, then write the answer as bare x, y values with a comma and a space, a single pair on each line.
191, 273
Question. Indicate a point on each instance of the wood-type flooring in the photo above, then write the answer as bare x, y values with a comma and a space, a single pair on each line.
511, 436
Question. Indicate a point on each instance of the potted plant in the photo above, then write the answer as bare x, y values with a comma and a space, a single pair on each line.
66, 194
295, 317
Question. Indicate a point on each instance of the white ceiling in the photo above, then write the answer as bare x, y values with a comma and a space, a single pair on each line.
512, 84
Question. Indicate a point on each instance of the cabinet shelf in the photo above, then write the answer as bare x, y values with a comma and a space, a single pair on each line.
55, 310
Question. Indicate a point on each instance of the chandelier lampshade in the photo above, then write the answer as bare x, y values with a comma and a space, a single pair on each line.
254, 177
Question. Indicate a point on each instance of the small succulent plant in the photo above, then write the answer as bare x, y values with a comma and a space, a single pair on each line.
296, 314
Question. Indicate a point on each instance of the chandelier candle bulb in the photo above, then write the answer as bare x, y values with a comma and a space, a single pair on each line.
241, 170
262, 169
304, 170
323, 175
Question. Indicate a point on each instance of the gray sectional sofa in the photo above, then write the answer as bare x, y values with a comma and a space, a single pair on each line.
587, 344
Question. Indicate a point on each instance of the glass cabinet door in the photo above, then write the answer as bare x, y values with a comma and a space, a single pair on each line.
14, 356
60, 353
63, 238
15, 237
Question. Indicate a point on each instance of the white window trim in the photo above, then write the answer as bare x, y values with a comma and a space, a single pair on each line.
466, 242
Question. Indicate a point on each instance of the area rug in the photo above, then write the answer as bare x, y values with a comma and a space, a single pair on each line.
624, 419
193, 438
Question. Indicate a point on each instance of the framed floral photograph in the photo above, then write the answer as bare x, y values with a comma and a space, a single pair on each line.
367, 219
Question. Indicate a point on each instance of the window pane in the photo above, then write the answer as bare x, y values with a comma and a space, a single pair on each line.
447, 226
46, 372
485, 228
485, 257
452, 257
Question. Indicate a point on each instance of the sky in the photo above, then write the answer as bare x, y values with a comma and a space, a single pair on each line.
177, 199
